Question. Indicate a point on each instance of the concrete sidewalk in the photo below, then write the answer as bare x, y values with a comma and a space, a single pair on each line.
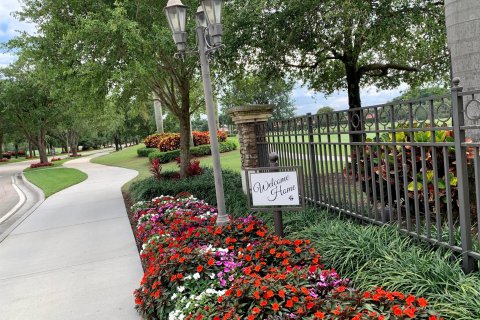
74, 257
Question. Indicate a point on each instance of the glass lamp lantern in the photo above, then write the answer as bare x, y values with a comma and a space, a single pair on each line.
213, 13
176, 13
201, 18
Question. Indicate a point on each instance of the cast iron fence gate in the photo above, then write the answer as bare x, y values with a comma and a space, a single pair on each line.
410, 163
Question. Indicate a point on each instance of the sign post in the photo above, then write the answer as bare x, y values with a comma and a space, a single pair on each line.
275, 189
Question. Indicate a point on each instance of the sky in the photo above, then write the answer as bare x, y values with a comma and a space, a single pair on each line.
304, 99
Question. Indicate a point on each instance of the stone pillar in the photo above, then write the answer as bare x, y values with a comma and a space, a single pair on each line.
246, 117
463, 36
157, 106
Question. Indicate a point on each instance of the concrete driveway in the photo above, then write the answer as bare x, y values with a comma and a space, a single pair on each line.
75, 256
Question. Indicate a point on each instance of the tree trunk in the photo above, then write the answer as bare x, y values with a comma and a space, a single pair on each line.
16, 150
30, 150
184, 144
116, 140
354, 102
1, 145
157, 106
74, 144
42, 147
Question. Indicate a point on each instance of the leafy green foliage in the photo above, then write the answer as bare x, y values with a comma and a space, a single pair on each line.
422, 178
200, 151
144, 152
326, 109
334, 44
259, 89
372, 254
201, 185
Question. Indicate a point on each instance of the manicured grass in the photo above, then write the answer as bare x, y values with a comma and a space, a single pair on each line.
128, 158
13, 160
53, 180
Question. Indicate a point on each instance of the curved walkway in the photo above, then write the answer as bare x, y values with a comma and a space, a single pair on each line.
74, 257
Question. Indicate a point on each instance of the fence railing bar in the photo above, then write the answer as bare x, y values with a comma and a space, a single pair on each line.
426, 207
476, 164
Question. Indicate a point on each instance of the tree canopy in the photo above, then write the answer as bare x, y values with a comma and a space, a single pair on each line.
339, 44
257, 89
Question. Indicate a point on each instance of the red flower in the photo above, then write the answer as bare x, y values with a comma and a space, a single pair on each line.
289, 304
397, 310
410, 312
319, 315
410, 299
199, 269
422, 302
275, 307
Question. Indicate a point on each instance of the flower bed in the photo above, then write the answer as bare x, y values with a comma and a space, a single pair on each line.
196, 270
41, 164
171, 141
55, 159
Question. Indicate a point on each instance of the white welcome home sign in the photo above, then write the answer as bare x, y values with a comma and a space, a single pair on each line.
279, 187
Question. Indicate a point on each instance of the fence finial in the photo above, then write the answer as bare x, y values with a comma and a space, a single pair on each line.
273, 157
456, 81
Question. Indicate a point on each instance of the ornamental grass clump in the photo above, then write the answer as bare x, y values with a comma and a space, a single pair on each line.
197, 270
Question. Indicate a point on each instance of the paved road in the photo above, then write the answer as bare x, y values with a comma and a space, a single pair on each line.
75, 256
8, 195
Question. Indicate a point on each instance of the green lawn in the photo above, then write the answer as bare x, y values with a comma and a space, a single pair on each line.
13, 160
128, 158
52, 180
56, 164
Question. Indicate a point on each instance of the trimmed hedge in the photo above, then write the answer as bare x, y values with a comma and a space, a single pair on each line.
200, 151
144, 152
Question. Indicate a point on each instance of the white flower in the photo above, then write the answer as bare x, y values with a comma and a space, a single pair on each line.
174, 296
181, 289
196, 276
212, 275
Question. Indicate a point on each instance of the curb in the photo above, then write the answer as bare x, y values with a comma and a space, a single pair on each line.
41, 199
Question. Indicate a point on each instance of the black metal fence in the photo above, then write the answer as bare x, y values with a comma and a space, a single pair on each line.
409, 163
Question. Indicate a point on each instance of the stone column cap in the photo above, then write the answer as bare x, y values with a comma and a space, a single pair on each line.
251, 113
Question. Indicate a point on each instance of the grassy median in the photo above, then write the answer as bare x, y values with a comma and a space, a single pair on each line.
53, 180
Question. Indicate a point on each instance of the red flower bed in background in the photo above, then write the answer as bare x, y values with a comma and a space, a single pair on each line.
55, 159
171, 141
41, 164
197, 270
4, 159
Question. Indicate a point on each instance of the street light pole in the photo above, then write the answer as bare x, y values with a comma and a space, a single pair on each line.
208, 17
222, 217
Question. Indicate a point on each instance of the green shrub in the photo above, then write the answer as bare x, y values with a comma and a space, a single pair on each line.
200, 151
371, 254
227, 146
201, 186
164, 157
144, 152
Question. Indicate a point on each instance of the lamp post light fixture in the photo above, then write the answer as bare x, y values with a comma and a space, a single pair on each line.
209, 37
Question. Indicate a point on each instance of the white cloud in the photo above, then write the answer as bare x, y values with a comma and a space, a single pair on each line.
9, 25
6, 59
309, 101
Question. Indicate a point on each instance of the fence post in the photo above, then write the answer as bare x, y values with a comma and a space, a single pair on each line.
313, 159
468, 263
277, 213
